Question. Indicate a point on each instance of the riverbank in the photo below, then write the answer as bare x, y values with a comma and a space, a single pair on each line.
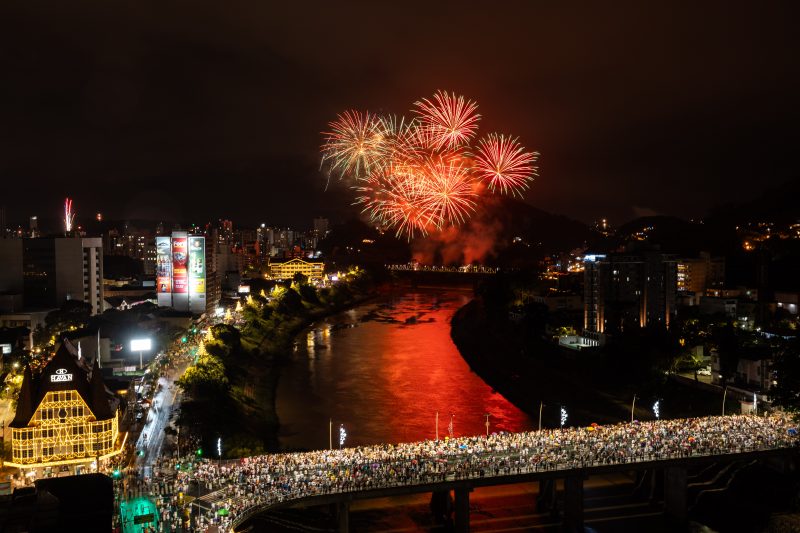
530, 371
232, 386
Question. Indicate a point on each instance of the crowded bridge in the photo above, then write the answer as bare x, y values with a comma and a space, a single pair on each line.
252, 484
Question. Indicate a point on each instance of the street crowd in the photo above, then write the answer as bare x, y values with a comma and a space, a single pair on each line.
269, 479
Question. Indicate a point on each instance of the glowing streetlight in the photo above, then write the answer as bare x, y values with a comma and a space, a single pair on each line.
564, 416
657, 409
342, 435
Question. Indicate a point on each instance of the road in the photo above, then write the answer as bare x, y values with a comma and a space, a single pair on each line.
151, 438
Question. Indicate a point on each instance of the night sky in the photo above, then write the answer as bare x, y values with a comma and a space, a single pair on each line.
195, 110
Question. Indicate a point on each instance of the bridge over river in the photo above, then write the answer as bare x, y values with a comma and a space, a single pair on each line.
256, 484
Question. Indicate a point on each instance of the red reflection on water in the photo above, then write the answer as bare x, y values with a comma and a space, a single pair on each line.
425, 373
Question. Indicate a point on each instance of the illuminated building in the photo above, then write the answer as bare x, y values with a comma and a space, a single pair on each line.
287, 269
629, 290
65, 416
701, 273
49, 271
184, 280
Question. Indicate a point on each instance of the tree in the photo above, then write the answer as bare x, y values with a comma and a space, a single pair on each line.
786, 390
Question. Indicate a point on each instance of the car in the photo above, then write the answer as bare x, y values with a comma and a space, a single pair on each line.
704, 371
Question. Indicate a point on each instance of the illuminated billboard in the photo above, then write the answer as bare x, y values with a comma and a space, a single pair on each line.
138, 345
197, 274
164, 270
180, 277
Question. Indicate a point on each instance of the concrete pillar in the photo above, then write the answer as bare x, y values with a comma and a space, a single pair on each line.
546, 499
675, 486
343, 515
573, 503
462, 510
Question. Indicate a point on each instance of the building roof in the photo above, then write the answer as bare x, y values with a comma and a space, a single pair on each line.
63, 372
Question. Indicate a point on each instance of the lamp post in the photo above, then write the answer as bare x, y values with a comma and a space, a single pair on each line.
487, 425
330, 433
541, 405
342, 435
724, 395
633, 406
219, 451
563, 416
437, 425
657, 409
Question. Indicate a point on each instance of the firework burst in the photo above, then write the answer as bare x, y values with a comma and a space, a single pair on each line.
353, 144
451, 121
504, 165
420, 176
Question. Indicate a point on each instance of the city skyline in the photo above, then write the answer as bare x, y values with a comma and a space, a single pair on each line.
143, 120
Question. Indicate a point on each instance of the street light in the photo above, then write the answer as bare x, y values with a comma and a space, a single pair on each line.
342, 435
487, 425
563, 417
657, 409
633, 405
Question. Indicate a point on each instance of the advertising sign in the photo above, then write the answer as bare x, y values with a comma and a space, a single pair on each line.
138, 345
180, 277
163, 265
197, 274
197, 265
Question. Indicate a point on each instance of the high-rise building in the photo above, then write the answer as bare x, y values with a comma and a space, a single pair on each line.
629, 290
33, 226
51, 270
183, 279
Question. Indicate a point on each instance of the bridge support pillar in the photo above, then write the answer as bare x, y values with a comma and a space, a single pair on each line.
675, 499
343, 516
573, 503
462, 509
546, 500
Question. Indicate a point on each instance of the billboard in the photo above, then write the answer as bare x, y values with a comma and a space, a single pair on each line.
138, 345
197, 274
164, 270
180, 277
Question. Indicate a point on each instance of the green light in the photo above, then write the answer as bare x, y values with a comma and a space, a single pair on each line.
184, 339
141, 453
199, 451
117, 473
177, 466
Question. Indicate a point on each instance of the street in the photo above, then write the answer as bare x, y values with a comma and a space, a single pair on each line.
151, 438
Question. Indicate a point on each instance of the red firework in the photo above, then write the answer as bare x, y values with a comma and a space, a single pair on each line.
503, 164
450, 120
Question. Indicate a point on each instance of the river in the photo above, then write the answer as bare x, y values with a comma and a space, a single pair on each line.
383, 370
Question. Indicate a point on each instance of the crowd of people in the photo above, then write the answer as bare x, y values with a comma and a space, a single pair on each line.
238, 486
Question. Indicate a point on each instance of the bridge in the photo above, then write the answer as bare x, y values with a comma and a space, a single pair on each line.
434, 276
338, 477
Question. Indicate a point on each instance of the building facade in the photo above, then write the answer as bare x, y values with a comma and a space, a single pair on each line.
629, 290
65, 416
185, 275
287, 269
51, 270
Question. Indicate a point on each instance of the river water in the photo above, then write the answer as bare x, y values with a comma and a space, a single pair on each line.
383, 370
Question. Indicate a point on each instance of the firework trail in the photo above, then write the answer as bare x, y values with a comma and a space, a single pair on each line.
69, 216
421, 175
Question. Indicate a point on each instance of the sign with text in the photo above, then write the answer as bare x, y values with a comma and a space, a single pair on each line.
180, 259
61, 375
